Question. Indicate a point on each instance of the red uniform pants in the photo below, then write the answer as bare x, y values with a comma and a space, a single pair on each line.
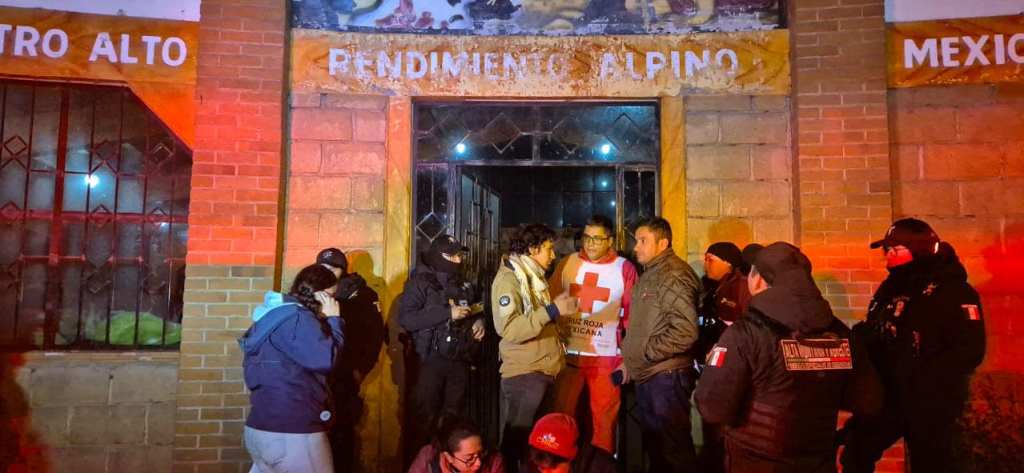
594, 373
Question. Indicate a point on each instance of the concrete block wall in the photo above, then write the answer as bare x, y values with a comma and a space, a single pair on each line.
335, 193
739, 182
958, 163
335, 198
96, 412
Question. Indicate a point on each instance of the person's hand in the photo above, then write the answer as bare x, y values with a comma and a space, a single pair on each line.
458, 312
620, 376
478, 330
566, 304
328, 304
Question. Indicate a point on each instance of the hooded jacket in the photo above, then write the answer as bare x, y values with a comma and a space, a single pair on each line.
288, 356
778, 376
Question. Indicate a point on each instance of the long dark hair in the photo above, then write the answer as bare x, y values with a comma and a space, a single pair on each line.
309, 281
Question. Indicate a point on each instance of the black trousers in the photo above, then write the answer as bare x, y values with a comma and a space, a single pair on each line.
440, 388
344, 436
930, 436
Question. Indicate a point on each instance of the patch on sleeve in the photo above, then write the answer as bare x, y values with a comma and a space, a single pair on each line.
972, 311
504, 301
817, 354
716, 357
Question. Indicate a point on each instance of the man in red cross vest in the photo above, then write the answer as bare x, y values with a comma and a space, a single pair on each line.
602, 280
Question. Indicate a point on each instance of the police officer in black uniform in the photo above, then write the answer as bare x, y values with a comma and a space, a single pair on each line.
925, 333
777, 378
440, 312
366, 334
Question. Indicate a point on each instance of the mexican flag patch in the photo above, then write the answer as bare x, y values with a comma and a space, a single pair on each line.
972, 311
717, 356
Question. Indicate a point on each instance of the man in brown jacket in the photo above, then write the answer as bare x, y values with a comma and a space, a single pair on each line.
525, 316
658, 348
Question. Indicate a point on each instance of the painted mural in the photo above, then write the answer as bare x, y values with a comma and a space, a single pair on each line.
537, 17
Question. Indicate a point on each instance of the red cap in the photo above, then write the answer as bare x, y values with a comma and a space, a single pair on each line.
555, 434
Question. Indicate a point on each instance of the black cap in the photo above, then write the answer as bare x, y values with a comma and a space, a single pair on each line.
782, 260
749, 254
332, 257
912, 233
448, 245
728, 252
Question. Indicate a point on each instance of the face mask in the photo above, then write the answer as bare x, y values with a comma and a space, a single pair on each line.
897, 256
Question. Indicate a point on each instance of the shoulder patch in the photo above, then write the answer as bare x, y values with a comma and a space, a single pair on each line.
716, 357
972, 311
504, 301
817, 354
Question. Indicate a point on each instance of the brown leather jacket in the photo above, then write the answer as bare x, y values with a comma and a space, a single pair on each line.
663, 323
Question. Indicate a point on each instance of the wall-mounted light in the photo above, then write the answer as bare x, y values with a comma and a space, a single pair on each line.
460, 148
605, 148
604, 183
613, 203
92, 180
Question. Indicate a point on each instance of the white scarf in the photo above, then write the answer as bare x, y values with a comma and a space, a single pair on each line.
533, 288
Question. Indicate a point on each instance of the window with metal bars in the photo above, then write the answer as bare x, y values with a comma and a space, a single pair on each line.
94, 194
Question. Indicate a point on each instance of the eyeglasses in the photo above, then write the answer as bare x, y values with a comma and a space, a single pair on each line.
587, 239
467, 462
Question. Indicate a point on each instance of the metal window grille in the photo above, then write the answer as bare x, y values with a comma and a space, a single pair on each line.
94, 193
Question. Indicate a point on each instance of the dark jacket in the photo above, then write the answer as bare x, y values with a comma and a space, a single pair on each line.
781, 412
925, 332
288, 356
722, 301
365, 327
731, 297
424, 312
663, 319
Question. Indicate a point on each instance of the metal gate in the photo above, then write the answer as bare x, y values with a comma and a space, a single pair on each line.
459, 145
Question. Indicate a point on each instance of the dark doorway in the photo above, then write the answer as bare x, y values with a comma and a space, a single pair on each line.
483, 169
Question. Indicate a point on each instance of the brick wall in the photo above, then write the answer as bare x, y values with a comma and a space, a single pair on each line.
841, 144
738, 171
958, 160
839, 80
233, 223
95, 412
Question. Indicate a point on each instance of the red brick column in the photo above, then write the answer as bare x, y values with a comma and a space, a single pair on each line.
843, 172
233, 223
842, 144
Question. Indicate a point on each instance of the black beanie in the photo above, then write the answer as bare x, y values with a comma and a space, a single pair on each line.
728, 252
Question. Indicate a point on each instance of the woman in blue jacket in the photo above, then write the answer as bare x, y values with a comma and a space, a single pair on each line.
289, 351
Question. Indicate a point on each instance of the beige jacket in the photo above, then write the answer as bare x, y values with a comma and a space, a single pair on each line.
529, 341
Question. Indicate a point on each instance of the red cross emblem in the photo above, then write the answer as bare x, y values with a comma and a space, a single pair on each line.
589, 292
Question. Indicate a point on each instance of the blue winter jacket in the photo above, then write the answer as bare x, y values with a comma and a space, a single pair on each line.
287, 359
